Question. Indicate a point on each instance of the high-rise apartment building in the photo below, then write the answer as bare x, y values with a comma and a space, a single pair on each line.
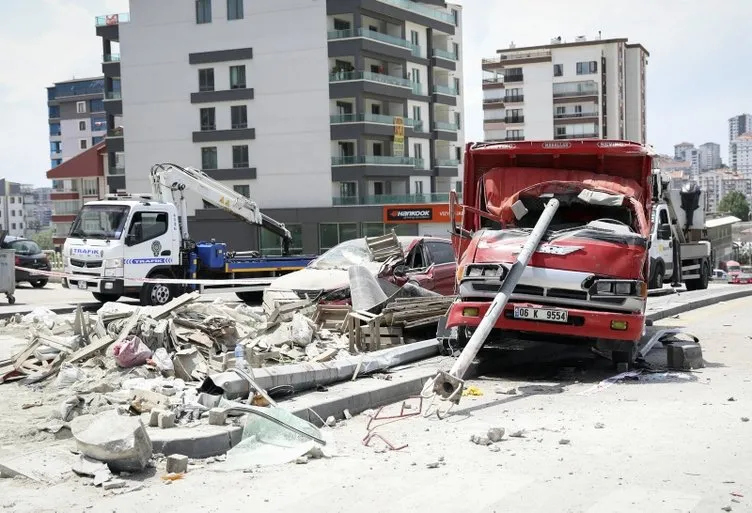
710, 156
738, 125
742, 154
717, 183
37, 205
341, 118
583, 89
682, 151
76, 117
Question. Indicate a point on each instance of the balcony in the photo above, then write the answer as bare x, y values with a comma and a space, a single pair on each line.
377, 160
447, 90
112, 19
499, 80
444, 54
577, 115
592, 135
514, 119
391, 199
514, 99
111, 57
113, 95
349, 76
493, 101
424, 10
494, 116
513, 138
116, 170
335, 35
447, 162
574, 89
514, 78
336, 119
508, 58
115, 132
448, 127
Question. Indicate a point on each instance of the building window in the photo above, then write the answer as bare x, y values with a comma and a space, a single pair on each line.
416, 75
234, 9
456, 50
208, 121
240, 156
96, 105
81, 107
209, 157
558, 70
458, 120
414, 37
82, 125
458, 153
13, 226
348, 189
418, 151
239, 116
560, 111
13, 200
331, 234
341, 24
586, 68
561, 131
237, 77
90, 187
416, 112
243, 190
515, 135
457, 86
270, 244
206, 79
418, 187
83, 144
456, 17
203, 11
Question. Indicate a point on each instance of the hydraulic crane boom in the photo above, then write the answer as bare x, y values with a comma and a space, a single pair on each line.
173, 178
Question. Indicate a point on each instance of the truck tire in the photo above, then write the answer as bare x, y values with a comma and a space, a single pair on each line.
39, 284
105, 298
623, 360
700, 283
656, 281
251, 298
156, 294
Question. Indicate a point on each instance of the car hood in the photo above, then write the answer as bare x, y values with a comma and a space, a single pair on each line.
318, 279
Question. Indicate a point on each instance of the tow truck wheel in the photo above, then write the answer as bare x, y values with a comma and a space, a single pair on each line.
656, 282
105, 298
700, 283
156, 294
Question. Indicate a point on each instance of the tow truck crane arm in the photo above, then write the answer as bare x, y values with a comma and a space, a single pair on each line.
173, 178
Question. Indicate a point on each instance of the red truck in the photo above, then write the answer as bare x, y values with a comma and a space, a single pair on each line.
586, 282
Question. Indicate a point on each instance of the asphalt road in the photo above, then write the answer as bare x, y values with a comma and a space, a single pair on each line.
663, 443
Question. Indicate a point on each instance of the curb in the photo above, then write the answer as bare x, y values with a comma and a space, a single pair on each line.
698, 303
198, 442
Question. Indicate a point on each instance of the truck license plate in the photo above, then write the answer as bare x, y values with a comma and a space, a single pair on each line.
540, 314
82, 285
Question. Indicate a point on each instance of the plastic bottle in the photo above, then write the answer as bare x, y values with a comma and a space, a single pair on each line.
240, 361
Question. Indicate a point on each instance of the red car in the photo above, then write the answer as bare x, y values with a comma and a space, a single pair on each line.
741, 278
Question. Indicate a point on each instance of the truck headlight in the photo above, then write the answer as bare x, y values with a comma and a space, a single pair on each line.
113, 263
623, 288
603, 287
619, 288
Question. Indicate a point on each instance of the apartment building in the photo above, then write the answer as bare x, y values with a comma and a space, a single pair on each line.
76, 117
37, 206
74, 182
352, 127
718, 183
11, 208
683, 151
582, 89
710, 156
742, 154
738, 125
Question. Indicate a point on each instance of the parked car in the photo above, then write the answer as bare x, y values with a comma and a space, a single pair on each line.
29, 255
741, 278
719, 275
429, 262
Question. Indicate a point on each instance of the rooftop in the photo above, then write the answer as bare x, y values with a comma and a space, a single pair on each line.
581, 42
86, 163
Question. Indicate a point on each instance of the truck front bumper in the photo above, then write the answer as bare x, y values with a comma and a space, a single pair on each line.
580, 323
97, 284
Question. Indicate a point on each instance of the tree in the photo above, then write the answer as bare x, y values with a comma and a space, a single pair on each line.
735, 204
44, 239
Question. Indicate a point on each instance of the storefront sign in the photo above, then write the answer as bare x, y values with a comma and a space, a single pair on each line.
419, 214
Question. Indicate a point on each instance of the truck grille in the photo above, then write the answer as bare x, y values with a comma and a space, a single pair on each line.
84, 264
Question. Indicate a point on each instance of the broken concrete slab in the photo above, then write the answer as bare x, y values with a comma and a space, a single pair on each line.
217, 417
121, 442
88, 467
197, 441
177, 464
166, 420
684, 356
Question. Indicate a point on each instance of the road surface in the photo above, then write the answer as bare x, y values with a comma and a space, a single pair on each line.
662, 444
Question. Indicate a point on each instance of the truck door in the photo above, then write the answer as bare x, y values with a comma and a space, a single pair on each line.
664, 240
148, 243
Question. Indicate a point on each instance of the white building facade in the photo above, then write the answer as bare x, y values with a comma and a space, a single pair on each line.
321, 112
742, 154
738, 125
12, 208
710, 156
584, 89
717, 183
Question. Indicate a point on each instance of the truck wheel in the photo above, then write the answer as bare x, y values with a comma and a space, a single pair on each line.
251, 298
656, 281
105, 298
623, 360
156, 294
700, 283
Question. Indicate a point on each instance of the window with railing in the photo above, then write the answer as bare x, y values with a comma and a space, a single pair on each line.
90, 187
575, 88
55, 147
54, 111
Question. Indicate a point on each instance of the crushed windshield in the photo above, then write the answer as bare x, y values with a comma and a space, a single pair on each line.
344, 255
25, 247
100, 222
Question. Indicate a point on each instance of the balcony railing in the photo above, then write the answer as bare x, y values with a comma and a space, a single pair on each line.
447, 162
116, 170
494, 100
575, 89
112, 95
493, 80
449, 127
514, 78
416, 124
346, 76
111, 57
573, 115
515, 138
381, 160
391, 199
494, 118
440, 89
444, 54
112, 19
515, 98
514, 119
376, 36
591, 135
535, 54
115, 132
421, 9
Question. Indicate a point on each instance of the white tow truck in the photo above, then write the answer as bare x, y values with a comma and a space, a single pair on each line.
679, 249
139, 245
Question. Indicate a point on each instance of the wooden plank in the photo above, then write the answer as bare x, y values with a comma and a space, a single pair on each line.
162, 312
26, 354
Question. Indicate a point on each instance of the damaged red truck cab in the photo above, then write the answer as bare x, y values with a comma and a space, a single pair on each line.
586, 283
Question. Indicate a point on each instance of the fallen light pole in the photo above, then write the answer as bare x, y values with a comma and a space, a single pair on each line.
449, 385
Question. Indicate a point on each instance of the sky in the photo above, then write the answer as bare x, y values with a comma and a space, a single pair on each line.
698, 73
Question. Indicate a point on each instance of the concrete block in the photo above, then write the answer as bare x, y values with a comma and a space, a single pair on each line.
177, 464
684, 356
217, 417
166, 420
121, 442
154, 417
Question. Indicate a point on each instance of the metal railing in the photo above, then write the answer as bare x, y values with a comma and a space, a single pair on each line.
346, 76
387, 199
591, 135
112, 95
112, 19
115, 132
376, 36
450, 127
494, 100
421, 9
518, 98
572, 115
514, 78
440, 89
514, 119
445, 54
575, 89
494, 80
111, 57
417, 124
116, 170
383, 160
447, 162
534, 54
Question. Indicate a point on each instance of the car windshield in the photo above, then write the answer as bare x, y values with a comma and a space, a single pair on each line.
25, 247
100, 222
344, 255
734, 268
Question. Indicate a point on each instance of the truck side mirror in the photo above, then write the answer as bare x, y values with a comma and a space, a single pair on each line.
664, 231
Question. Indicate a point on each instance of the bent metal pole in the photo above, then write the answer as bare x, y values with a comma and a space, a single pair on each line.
449, 385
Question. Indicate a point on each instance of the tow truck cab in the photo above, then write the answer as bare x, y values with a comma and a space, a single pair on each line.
587, 279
